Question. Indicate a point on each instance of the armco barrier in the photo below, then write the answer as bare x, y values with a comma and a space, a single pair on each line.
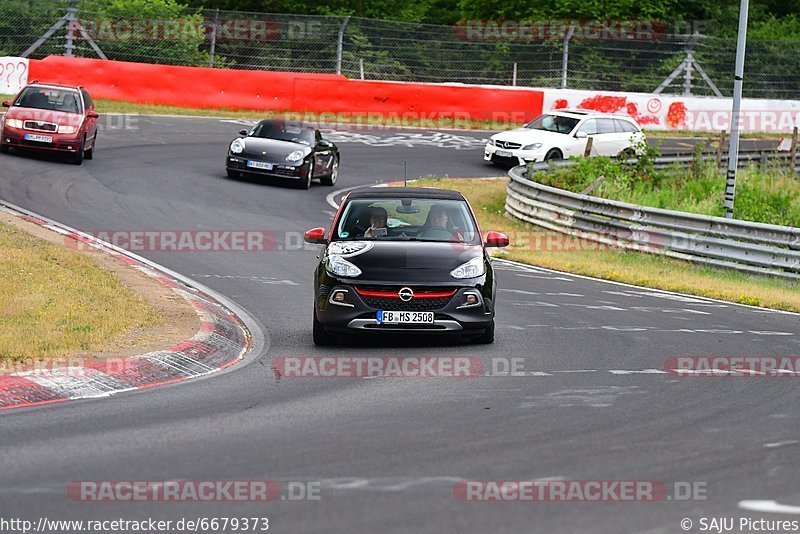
745, 246
285, 91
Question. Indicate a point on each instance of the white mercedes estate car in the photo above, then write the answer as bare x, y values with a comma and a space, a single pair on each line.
561, 134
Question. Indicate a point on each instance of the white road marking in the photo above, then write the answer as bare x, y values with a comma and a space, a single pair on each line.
651, 291
769, 506
565, 279
592, 307
536, 303
768, 333
635, 372
781, 444
518, 291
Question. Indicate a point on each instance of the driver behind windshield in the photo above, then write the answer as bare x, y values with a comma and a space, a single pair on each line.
377, 221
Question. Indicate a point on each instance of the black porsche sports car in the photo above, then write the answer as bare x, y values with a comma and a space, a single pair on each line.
278, 148
404, 260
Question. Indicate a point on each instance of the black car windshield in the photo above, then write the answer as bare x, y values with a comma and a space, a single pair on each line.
51, 99
283, 131
553, 123
417, 219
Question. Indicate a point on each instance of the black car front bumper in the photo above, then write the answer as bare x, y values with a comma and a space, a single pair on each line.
359, 313
236, 163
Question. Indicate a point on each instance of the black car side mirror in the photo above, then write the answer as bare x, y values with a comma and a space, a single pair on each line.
6, 104
243, 132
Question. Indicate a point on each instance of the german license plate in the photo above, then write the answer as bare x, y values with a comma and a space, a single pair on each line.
39, 138
404, 317
259, 165
503, 153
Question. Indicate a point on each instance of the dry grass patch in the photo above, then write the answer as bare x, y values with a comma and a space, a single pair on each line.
55, 301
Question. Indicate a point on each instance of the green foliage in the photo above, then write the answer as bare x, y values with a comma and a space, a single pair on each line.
769, 196
168, 35
23, 22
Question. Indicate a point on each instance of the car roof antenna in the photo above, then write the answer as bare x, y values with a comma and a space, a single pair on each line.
405, 174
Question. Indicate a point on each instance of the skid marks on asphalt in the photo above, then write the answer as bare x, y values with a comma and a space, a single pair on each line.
266, 280
639, 328
593, 397
392, 138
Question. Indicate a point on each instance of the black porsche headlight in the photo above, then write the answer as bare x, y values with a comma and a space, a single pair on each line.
295, 156
237, 147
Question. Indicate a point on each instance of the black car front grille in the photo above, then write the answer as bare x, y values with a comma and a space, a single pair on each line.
41, 126
415, 304
284, 172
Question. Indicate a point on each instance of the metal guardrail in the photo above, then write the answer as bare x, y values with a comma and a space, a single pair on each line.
763, 157
745, 246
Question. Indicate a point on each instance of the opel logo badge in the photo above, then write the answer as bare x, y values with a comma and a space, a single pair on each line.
405, 294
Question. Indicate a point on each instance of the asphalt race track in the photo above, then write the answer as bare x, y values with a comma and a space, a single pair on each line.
387, 453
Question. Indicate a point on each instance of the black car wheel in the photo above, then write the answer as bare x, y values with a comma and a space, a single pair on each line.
77, 158
233, 174
4, 148
487, 337
553, 154
90, 153
331, 178
321, 337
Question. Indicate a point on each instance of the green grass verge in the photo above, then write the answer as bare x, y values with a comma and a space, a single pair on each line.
563, 253
57, 302
769, 196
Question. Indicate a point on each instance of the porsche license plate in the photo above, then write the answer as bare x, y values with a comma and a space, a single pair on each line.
259, 165
404, 317
39, 138
503, 154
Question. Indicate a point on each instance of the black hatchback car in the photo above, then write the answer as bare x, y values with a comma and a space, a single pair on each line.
404, 260
283, 149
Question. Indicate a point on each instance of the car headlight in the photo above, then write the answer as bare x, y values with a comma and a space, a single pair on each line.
237, 147
14, 123
339, 266
533, 146
491, 142
67, 129
295, 156
470, 269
